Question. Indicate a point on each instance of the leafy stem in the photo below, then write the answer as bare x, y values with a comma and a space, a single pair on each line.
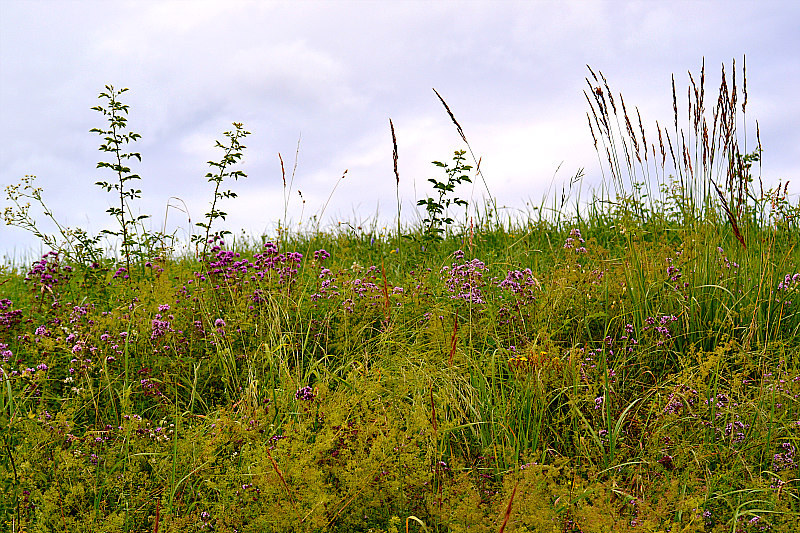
75, 243
233, 154
437, 220
114, 138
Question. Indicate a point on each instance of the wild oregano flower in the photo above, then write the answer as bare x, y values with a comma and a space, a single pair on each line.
629, 331
784, 460
321, 255
789, 285
789, 281
521, 283
726, 263
682, 397
121, 273
465, 281
735, 430
48, 272
598, 402
227, 268
659, 326
5, 353
305, 394
326, 288
9, 318
573, 239
673, 272
160, 327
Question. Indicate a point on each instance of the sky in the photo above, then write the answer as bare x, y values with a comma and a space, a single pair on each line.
317, 83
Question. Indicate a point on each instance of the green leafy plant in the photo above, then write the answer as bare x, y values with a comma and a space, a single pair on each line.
233, 154
115, 138
435, 224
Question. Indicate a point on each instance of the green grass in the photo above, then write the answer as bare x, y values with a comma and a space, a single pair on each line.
632, 367
426, 397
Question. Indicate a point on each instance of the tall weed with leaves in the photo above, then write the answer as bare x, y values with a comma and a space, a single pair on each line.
115, 137
233, 154
437, 220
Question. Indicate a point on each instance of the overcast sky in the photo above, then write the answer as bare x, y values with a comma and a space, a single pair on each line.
332, 74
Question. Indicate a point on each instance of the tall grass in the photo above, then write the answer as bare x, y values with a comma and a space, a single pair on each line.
633, 366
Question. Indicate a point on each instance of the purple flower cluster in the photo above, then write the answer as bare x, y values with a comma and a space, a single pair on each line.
358, 288
160, 327
726, 263
789, 281
598, 402
305, 394
789, 285
659, 325
9, 318
629, 331
721, 401
327, 287
150, 388
756, 523
574, 239
673, 272
674, 275
5, 353
112, 344
521, 283
205, 516
276, 438
321, 255
733, 430
679, 399
249, 488
286, 265
784, 460
228, 267
47, 271
29, 371
362, 287
464, 281
80, 312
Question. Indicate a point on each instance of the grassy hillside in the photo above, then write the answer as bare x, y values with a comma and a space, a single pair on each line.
632, 367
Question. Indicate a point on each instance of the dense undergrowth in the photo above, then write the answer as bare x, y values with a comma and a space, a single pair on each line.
634, 367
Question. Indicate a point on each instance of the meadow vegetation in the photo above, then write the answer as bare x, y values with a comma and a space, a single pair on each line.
626, 362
